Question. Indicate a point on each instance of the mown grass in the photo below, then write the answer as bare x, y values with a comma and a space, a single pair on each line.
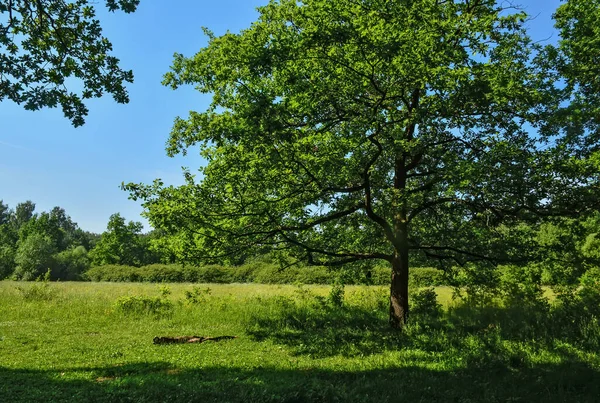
293, 345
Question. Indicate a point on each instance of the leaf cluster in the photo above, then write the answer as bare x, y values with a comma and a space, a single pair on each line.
47, 46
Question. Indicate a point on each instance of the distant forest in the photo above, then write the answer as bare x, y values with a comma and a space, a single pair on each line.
31, 243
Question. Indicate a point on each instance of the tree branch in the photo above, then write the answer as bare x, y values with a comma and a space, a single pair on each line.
387, 229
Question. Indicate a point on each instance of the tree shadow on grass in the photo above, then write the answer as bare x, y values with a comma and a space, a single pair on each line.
571, 381
478, 334
326, 331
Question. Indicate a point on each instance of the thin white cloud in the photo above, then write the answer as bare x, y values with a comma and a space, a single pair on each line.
16, 146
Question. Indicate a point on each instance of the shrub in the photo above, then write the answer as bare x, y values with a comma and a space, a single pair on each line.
70, 264
380, 274
161, 273
197, 295
591, 279
417, 276
39, 291
256, 272
114, 273
141, 304
164, 291
336, 294
267, 273
521, 284
576, 316
190, 274
425, 277
242, 274
424, 304
589, 292
314, 275
476, 284
214, 274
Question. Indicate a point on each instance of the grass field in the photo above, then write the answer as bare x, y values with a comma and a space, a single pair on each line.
74, 342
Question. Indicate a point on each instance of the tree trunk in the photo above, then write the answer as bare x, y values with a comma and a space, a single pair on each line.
399, 283
399, 291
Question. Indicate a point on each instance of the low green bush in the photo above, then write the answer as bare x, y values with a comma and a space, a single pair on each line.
113, 273
424, 305
426, 277
336, 295
197, 295
265, 273
315, 275
142, 304
215, 274
256, 272
161, 273
41, 290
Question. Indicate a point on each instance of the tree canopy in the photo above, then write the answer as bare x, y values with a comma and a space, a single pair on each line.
343, 131
32, 243
120, 244
45, 45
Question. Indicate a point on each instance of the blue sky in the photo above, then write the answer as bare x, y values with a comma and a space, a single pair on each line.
44, 159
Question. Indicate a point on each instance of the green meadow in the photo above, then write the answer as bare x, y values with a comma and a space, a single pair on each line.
94, 342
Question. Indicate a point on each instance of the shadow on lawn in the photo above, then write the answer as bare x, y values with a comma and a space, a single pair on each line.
571, 381
486, 335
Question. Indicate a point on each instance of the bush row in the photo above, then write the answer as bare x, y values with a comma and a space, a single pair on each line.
263, 273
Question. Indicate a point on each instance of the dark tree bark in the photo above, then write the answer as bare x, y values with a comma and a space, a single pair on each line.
399, 291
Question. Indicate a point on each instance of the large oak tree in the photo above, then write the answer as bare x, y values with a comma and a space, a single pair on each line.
356, 130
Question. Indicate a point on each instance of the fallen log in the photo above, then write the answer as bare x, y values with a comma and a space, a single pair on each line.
188, 339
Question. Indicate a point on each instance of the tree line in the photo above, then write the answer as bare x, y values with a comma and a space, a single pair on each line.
32, 243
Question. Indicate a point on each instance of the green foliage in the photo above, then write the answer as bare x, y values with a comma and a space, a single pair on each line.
521, 285
144, 305
270, 273
589, 292
113, 273
41, 241
39, 291
425, 306
46, 44
71, 264
120, 244
214, 274
383, 136
160, 273
34, 256
336, 294
56, 225
561, 257
425, 277
164, 291
578, 310
591, 279
23, 213
475, 284
577, 21
4, 213
197, 295
7, 261
254, 272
